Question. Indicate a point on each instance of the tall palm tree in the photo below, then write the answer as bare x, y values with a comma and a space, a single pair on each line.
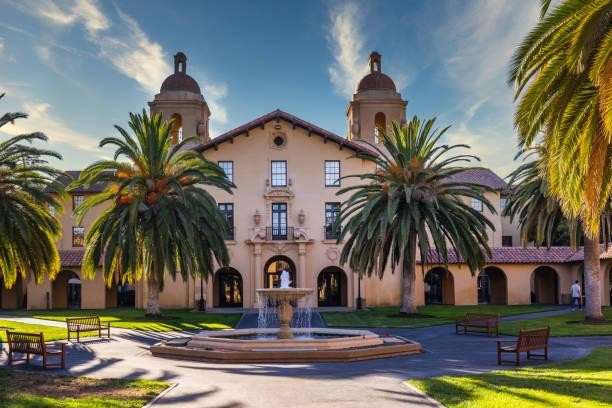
28, 229
159, 218
540, 215
562, 72
413, 199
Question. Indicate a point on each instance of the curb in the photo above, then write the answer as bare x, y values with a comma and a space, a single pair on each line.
161, 395
430, 401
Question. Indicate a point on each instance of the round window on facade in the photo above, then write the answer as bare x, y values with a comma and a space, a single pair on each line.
279, 141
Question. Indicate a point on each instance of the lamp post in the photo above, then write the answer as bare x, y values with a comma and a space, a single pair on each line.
359, 301
201, 303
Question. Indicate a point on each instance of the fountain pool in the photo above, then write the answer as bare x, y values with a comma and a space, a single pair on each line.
285, 343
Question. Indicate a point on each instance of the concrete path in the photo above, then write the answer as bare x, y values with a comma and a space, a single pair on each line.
377, 383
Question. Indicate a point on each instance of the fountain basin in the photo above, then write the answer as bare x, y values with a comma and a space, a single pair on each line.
307, 345
271, 339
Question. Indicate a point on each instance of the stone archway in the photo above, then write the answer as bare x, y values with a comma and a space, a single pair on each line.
66, 290
273, 269
227, 288
544, 286
439, 287
332, 287
492, 286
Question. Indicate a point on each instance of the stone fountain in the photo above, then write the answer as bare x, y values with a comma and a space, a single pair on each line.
266, 343
283, 296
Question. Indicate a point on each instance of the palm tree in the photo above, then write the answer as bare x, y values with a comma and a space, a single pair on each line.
28, 229
538, 213
562, 72
159, 216
540, 216
413, 199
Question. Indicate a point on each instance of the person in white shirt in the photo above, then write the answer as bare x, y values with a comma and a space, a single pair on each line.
576, 295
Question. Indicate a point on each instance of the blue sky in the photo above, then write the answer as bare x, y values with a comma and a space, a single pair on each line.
80, 66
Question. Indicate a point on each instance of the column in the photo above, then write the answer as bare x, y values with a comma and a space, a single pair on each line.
301, 278
257, 271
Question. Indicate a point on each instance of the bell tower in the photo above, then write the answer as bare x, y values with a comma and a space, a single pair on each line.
180, 99
375, 104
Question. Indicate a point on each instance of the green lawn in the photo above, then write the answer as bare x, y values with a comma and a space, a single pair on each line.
581, 383
40, 390
431, 315
563, 325
135, 318
50, 333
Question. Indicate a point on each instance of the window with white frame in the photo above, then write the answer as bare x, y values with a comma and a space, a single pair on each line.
77, 200
503, 201
78, 236
332, 173
477, 204
228, 168
279, 173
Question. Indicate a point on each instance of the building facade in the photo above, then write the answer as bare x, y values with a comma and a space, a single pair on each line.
288, 173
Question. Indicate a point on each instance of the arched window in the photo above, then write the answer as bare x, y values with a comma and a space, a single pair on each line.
332, 287
273, 269
380, 125
177, 128
228, 287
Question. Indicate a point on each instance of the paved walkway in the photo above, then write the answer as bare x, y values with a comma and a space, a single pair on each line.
360, 384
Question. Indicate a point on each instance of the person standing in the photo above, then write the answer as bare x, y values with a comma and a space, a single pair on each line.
576, 295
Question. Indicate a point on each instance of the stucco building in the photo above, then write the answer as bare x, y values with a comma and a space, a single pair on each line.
287, 172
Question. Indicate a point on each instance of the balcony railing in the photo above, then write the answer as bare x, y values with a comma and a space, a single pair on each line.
282, 233
331, 232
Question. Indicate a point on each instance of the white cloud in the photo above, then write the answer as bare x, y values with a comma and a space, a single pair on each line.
78, 11
476, 43
346, 40
124, 45
41, 119
1, 45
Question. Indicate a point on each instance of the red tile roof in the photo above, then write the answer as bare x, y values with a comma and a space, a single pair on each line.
520, 255
72, 175
73, 257
277, 115
484, 177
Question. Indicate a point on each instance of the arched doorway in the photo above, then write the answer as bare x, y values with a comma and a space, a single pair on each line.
126, 295
439, 287
228, 288
66, 289
492, 286
331, 287
544, 286
273, 269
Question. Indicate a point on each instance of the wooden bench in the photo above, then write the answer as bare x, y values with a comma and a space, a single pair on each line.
79, 325
527, 341
31, 343
477, 321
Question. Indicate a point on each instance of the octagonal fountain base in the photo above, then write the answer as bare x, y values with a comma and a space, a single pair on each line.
306, 345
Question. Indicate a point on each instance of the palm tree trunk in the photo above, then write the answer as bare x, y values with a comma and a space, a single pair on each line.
409, 305
592, 310
153, 309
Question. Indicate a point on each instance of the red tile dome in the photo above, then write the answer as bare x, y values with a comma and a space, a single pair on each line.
376, 79
180, 81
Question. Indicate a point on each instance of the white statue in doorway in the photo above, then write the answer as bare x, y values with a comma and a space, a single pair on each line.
285, 282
